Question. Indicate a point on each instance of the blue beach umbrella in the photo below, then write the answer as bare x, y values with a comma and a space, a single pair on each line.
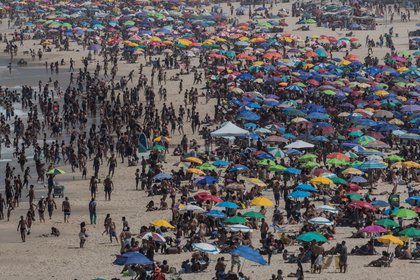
299, 194
248, 253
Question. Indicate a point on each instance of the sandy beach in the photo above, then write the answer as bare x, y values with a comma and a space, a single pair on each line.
46, 257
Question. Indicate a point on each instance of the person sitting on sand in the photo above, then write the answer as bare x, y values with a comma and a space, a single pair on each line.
383, 261
151, 206
55, 232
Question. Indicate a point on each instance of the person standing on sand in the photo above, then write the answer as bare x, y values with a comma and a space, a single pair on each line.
41, 209
108, 188
343, 257
22, 227
92, 211
51, 205
82, 234
66, 208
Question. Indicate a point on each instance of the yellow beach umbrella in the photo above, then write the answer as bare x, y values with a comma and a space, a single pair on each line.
196, 171
162, 223
381, 93
344, 62
321, 180
396, 122
155, 39
193, 160
262, 201
257, 182
353, 171
184, 42
390, 239
411, 164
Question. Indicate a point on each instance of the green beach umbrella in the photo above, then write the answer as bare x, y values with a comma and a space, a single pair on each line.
394, 158
386, 223
405, 213
353, 196
307, 157
254, 215
207, 166
277, 168
276, 152
235, 220
410, 232
159, 147
312, 236
337, 162
310, 164
338, 180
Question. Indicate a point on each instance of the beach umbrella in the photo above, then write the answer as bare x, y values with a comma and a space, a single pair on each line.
320, 221
239, 227
162, 176
254, 215
358, 179
410, 232
163, 139
220, 163
277, 168
306, 157
361, 204
55, 171
405, 213
249, 253
266, 162
387, 239
162, 223
131, 258
411, 164
155, 236
379, 203
216, 214
205, 196
413, 200
394, 158
207, 180
228, 204
257, 182
262, 201
206, 247
193, 160
305, 187
374, 229
299, 194
195, 171
238, 167
235, 220
309, 164
312, 236
387, 223
293, 171
354, 196
192, 208
326, 208
338, 180
321, 181
276, 152
372, 165
206, 166
299, 144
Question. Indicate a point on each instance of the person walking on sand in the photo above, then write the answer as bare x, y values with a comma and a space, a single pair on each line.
22, 227
92, 211
66, 208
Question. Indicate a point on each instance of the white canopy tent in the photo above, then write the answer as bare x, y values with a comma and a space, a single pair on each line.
299, 144
229, 129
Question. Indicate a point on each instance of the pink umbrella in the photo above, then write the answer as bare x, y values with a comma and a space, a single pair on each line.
374, 229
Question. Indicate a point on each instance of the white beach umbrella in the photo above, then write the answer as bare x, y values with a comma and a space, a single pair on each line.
326, 208
320, 221
206, 247
192, 208
239, 227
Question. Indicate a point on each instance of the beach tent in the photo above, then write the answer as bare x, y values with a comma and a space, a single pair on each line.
299, 144
229, 129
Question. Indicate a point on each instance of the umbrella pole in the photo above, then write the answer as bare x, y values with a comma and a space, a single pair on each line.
242, 266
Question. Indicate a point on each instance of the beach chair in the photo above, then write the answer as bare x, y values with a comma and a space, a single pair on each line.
327, 263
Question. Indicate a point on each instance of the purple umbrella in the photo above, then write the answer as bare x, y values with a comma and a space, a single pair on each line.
374, 229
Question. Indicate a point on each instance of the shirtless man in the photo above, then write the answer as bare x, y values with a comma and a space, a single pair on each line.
31, 194
22, 227
108, 188
41, 209
50, 205
66, 208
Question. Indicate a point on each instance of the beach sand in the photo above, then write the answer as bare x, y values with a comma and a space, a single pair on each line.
60, 258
